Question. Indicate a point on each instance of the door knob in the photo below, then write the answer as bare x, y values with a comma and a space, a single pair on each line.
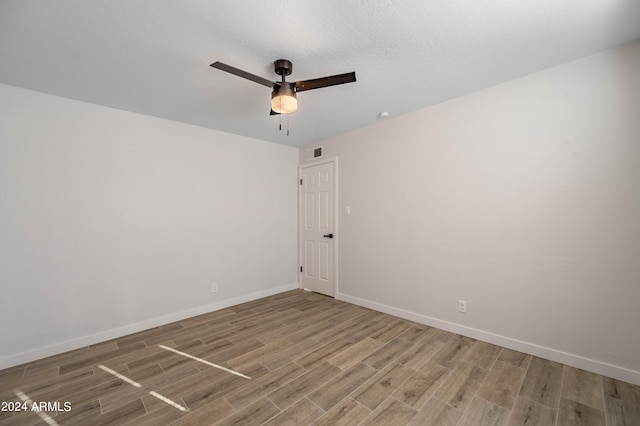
328, 235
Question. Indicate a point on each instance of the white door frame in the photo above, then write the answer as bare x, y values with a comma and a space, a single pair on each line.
336, 233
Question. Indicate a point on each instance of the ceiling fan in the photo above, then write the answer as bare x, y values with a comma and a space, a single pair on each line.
283, 96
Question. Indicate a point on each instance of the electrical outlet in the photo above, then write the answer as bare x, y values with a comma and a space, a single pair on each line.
462, 306
214, 288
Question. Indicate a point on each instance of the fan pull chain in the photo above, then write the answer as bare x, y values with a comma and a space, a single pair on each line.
280, 123
280, 115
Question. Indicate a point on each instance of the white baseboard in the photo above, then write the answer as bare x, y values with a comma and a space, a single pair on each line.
573, 360
80, 342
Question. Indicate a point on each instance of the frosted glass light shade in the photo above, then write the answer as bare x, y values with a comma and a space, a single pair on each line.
284, 104
283, 99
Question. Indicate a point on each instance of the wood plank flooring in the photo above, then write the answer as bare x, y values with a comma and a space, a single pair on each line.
311, 360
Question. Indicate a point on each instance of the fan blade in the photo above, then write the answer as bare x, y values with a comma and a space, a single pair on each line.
317, 83
243, 74
272, 112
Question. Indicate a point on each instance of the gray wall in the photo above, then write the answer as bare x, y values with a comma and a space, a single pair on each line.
522, 199
112, 222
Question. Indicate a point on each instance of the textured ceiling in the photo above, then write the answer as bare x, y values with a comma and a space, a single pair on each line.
153, 57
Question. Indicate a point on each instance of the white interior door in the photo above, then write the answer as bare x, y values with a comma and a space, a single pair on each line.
317, 232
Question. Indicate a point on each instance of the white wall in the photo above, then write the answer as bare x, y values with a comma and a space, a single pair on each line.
112, 222
522, 199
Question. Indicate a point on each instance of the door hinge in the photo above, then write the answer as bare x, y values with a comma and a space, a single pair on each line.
300, 181
301, 269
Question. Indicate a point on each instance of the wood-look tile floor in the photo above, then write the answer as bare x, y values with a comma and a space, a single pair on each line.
311, 360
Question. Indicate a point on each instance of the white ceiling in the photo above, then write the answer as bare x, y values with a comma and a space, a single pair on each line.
153, 57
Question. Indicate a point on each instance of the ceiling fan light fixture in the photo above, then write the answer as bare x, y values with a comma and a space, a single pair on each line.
283, 95
283, 99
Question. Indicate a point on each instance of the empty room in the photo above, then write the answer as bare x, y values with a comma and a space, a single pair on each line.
329, 213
